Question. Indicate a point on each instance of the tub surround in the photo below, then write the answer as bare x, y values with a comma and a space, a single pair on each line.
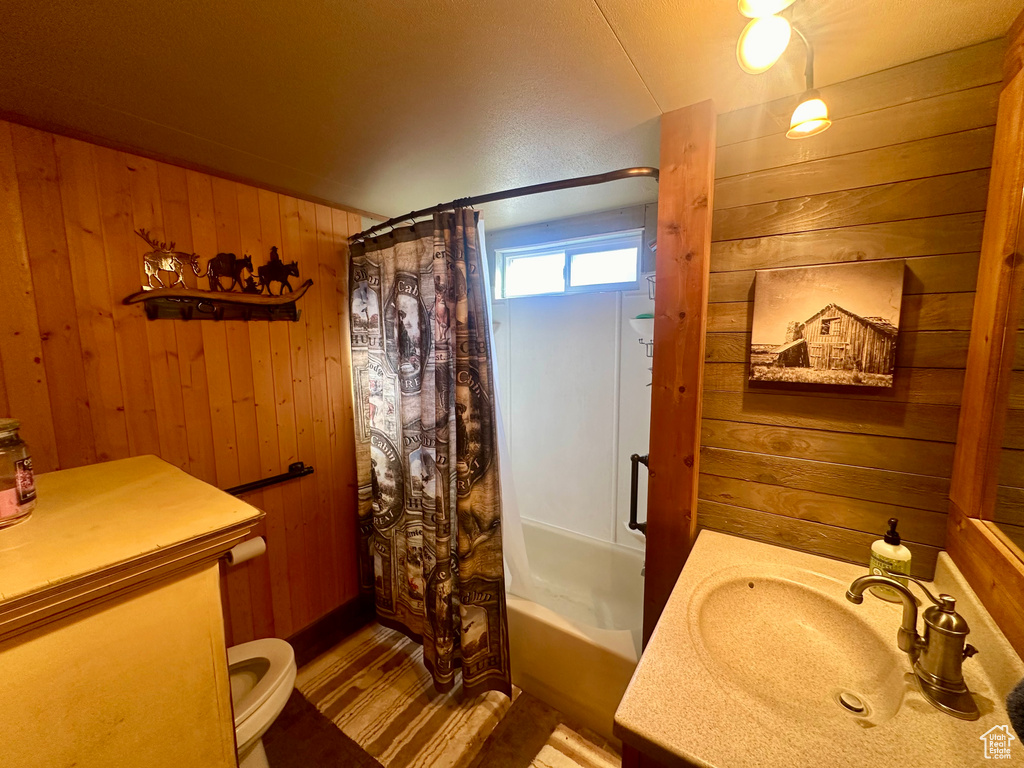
693, 704
112, 644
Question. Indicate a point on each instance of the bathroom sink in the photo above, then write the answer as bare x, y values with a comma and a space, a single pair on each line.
758, 659
781, 636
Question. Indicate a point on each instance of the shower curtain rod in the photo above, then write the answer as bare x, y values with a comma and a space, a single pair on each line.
533, 189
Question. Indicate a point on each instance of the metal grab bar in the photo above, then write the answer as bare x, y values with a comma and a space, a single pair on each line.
296, 469
636, 459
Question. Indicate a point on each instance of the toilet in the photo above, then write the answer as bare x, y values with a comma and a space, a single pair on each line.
262, 677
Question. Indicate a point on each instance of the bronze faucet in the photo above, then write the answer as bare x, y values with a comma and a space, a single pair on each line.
938, 655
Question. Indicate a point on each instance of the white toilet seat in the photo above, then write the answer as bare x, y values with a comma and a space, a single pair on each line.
257, 710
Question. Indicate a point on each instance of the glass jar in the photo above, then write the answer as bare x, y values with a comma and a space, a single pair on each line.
17, 484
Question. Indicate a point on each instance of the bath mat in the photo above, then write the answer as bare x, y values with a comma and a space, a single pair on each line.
525, 730
567, 749
374, 687
301, 737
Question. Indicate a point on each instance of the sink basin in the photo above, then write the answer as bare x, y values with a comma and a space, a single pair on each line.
780, 636
758, 660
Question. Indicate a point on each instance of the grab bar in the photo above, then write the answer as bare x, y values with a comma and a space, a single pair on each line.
295, 469
636, 459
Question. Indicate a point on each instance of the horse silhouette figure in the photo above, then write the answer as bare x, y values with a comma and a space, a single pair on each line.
276, 271
227, 265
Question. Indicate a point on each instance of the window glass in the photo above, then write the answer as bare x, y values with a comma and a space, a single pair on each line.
529, 275
594, 263
604, 267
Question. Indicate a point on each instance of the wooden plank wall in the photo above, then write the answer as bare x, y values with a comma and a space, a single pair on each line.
902, 173
92, 380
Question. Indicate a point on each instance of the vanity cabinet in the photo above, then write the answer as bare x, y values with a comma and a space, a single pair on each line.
112, 648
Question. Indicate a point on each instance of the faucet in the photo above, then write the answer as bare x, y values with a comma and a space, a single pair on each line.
937, 656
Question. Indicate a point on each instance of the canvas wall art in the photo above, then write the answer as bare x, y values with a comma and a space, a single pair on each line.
835, 324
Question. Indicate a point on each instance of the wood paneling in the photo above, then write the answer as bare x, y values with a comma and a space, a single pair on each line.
948, 273
919, 457
829, 540
901, 174
927, 236
907, 420
681, 292
93, 380
952, 153
938, 195
920, 526
937, 386
916, 120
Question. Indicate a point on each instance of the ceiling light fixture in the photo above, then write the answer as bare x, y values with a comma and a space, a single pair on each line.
762, 43
811, 115
809, 118
755, 9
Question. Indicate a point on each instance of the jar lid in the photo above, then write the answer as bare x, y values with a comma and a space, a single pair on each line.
9, 425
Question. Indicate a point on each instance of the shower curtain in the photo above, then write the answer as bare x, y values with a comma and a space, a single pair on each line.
426, 446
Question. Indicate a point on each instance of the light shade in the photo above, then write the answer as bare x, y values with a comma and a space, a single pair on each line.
755, 9
761, 43
809, 118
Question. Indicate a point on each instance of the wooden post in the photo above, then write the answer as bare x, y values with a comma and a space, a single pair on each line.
685, 207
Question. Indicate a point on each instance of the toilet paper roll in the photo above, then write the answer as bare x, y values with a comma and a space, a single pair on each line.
247, 550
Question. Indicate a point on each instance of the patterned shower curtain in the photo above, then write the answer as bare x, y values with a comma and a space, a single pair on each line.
429, 494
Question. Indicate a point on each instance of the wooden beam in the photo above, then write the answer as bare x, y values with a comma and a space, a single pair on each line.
683, 256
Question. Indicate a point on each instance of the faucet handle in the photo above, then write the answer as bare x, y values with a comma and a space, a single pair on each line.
945, 602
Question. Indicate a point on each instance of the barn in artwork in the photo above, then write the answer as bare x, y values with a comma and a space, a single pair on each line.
829, 341
838, 340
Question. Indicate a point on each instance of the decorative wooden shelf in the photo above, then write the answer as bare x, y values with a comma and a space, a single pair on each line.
189, 304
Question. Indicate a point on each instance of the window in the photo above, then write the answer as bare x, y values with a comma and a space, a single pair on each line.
826, 325
605, 263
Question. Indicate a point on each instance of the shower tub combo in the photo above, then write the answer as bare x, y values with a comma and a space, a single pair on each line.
575, 647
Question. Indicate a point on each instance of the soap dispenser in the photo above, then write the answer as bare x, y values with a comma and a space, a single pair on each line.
888, 554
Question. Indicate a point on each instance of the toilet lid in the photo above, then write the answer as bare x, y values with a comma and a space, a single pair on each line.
281, 665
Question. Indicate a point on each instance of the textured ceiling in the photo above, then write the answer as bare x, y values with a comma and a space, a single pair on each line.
389, 107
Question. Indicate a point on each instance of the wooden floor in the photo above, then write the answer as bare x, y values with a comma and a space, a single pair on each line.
369, 702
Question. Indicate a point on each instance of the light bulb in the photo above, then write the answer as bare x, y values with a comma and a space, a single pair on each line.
761, 43
809, 118
755, 9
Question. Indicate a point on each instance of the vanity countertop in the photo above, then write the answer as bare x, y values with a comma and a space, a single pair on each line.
688, 706
105, 527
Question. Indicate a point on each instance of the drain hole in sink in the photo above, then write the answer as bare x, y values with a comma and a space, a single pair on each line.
852, 703
751, 585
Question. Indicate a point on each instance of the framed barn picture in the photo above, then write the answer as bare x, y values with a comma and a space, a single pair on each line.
834, 324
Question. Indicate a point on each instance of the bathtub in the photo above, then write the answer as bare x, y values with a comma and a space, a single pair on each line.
577, 645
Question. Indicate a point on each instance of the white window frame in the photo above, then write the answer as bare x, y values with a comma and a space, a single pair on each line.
594, 244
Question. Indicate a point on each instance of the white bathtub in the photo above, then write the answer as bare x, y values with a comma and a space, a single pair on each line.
576, 647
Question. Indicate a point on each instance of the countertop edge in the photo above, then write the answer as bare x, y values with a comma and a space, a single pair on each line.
22, 613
